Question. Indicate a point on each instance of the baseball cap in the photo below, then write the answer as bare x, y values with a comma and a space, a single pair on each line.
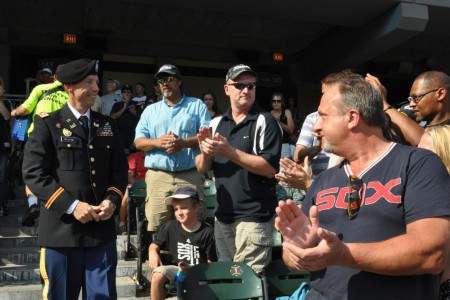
46, 70
238, 70
127, 87
183, 193
168, 69
77, 70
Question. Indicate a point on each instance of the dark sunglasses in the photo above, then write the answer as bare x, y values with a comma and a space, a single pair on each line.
241, 85
354, 196
165, 79
276, 101
126, 92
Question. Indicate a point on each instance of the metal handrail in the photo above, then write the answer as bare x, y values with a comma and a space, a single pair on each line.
15, 99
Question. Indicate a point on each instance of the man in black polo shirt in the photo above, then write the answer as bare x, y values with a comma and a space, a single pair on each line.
244, 151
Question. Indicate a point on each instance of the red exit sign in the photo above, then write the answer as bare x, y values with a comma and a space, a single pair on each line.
277, 56
70, 38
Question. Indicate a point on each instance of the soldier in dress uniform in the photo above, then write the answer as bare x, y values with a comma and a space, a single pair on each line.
75, 165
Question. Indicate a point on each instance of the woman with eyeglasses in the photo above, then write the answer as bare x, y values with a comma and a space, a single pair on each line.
126, 115
211, 103
284, 119
437, 139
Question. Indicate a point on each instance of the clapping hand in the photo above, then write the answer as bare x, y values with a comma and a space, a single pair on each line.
175, 144
297, 228
295, 175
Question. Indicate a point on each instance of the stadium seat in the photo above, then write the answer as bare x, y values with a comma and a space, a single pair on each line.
282, 281
221, 280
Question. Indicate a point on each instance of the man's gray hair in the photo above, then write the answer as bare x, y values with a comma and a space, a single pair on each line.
357, 93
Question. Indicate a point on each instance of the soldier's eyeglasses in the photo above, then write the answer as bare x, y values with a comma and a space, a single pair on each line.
354, 199
241, 85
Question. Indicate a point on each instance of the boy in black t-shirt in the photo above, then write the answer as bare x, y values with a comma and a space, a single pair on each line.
189, 241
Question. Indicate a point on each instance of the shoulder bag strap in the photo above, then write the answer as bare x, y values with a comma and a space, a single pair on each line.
51, 91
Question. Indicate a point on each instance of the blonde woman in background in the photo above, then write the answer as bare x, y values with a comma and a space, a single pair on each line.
437, 139
111, 96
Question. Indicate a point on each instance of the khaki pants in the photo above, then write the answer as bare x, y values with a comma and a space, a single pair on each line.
169, 271
247, 242
161, 184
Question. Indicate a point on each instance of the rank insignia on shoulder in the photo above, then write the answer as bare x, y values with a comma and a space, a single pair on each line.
67, 132
43, 115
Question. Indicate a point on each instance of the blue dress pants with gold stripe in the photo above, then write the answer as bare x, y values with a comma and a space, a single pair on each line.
64, 271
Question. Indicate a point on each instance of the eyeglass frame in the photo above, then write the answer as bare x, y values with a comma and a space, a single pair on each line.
242, 85
277, 101
416, 99
164, 79
351, 201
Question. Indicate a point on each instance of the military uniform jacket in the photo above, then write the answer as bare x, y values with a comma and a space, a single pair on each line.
62, 164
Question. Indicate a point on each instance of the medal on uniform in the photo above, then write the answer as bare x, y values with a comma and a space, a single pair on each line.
58, 125
67, 132
96, 124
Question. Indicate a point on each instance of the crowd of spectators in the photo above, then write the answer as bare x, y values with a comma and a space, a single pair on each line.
356, 164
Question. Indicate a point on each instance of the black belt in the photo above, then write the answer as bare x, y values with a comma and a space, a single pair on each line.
188, 170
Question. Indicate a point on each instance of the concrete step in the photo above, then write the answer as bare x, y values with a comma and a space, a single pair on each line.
10, 273
23, 249
20, 199
11, 228
126, 289
20, 255
17, 205
21, 240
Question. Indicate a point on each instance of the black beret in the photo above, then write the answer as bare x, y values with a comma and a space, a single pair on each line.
76, 70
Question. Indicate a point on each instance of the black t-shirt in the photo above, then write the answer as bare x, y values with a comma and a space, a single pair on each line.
404, 185
241, 194
283, 119
127, 121
191, 247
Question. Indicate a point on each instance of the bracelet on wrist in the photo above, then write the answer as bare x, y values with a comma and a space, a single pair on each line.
387, 108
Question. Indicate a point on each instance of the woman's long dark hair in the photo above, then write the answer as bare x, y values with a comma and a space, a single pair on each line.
215, 107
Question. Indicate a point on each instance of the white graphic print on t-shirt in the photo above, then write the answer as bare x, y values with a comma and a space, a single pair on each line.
188, 252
